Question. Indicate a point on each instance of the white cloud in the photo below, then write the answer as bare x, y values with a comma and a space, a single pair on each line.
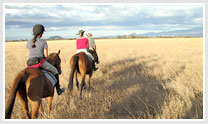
12, 12
115, 12
95, 17
198, 20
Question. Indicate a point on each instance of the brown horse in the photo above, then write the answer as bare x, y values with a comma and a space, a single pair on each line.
81, 64
31, 85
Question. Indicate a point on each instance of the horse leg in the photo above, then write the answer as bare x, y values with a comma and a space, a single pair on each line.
24, 102
50, 98
82, 84
75, 76
41, 108
35, 107
89, 80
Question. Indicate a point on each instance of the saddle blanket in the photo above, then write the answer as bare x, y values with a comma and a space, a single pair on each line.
50, 77
89, 58
85, 51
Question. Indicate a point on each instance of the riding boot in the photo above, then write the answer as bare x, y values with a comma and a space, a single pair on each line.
93, 65
58, 89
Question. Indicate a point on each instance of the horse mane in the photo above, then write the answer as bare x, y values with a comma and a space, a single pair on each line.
51, 54
91, 51
51, 57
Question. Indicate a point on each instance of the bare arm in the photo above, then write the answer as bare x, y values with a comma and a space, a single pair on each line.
94, 47
46, 52
93, 44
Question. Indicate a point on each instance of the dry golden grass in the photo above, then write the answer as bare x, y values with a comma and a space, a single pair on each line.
137, 78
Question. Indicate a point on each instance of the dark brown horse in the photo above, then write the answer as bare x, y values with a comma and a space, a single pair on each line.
31, 85
80, 63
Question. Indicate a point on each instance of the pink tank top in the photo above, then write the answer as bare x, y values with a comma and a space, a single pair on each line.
82, 43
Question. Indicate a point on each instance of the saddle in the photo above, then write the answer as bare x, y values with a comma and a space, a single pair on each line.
89, 58
36, 63
50, 77
86, 55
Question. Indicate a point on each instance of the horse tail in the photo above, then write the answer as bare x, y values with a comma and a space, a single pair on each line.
75, 62
19, 79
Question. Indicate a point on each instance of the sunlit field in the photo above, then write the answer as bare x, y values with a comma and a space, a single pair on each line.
153, 78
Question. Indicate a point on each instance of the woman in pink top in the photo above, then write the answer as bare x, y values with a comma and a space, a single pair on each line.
83, 46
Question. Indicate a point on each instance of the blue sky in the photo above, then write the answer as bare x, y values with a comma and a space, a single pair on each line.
99, 19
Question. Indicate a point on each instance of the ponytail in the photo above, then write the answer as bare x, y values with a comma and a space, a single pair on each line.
38, 29
33, 41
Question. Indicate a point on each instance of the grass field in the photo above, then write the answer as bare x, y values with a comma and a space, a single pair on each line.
137, 79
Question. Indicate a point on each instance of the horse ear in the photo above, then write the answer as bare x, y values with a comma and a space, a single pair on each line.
59, 52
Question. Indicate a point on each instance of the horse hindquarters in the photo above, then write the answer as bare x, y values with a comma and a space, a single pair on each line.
35, 86
83, 71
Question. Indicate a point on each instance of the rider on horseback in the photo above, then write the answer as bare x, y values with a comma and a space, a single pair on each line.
36, 48
92, 44
83, 46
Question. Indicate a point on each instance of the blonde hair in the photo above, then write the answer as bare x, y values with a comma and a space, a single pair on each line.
89, 35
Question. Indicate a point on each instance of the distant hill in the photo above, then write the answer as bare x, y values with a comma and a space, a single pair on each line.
55, 38
194, 32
